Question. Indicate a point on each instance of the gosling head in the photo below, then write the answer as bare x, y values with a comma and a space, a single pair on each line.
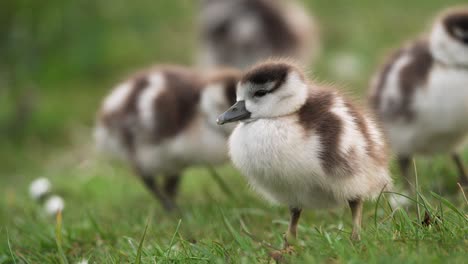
449, 37
241, 32
268, 90
230, 23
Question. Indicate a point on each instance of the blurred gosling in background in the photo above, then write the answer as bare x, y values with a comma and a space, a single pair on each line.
421, 94
239, 33
163, 120
305, 145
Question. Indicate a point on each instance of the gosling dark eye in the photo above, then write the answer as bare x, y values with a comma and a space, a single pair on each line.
260, 93
221, 30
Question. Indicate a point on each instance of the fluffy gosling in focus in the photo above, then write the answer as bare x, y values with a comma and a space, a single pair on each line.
305, 145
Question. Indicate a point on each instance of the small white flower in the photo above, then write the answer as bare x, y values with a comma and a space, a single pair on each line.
83, 261
39, 188
54, 204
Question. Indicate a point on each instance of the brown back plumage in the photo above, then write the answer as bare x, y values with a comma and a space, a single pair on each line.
175, 107
315, 115
411, 77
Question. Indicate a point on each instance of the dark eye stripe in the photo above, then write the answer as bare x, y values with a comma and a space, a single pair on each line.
260, 93
457, 22
267, 73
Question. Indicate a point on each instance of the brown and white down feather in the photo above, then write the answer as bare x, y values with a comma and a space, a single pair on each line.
421, 93
240, 33
306, 145
163, 120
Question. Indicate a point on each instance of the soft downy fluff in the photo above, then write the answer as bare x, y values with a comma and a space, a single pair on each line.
239, 33
421, 94
305, 145
162, 120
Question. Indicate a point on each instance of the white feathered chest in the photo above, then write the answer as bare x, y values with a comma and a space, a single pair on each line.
445, 99
281, 162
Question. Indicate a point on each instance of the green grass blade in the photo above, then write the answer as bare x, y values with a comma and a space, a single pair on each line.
173, 238
377, 207
406, 221
219, 180
59, 238
416, 182
9, 247
449, 205
140, 246
406, 196
96, 226
237, 237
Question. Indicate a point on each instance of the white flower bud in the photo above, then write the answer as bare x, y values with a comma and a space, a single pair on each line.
39, 188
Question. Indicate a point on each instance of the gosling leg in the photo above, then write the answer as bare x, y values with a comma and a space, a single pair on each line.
356, 212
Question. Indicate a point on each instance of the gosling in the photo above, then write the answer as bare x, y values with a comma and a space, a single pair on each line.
239, 33
305, 145
421, 94
162, 121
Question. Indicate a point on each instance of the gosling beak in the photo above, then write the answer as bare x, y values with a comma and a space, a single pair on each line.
234, 113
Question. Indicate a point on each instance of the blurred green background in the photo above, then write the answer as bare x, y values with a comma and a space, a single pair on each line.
59, 58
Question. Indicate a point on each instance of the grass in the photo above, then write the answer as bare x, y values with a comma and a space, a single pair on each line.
109, 216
